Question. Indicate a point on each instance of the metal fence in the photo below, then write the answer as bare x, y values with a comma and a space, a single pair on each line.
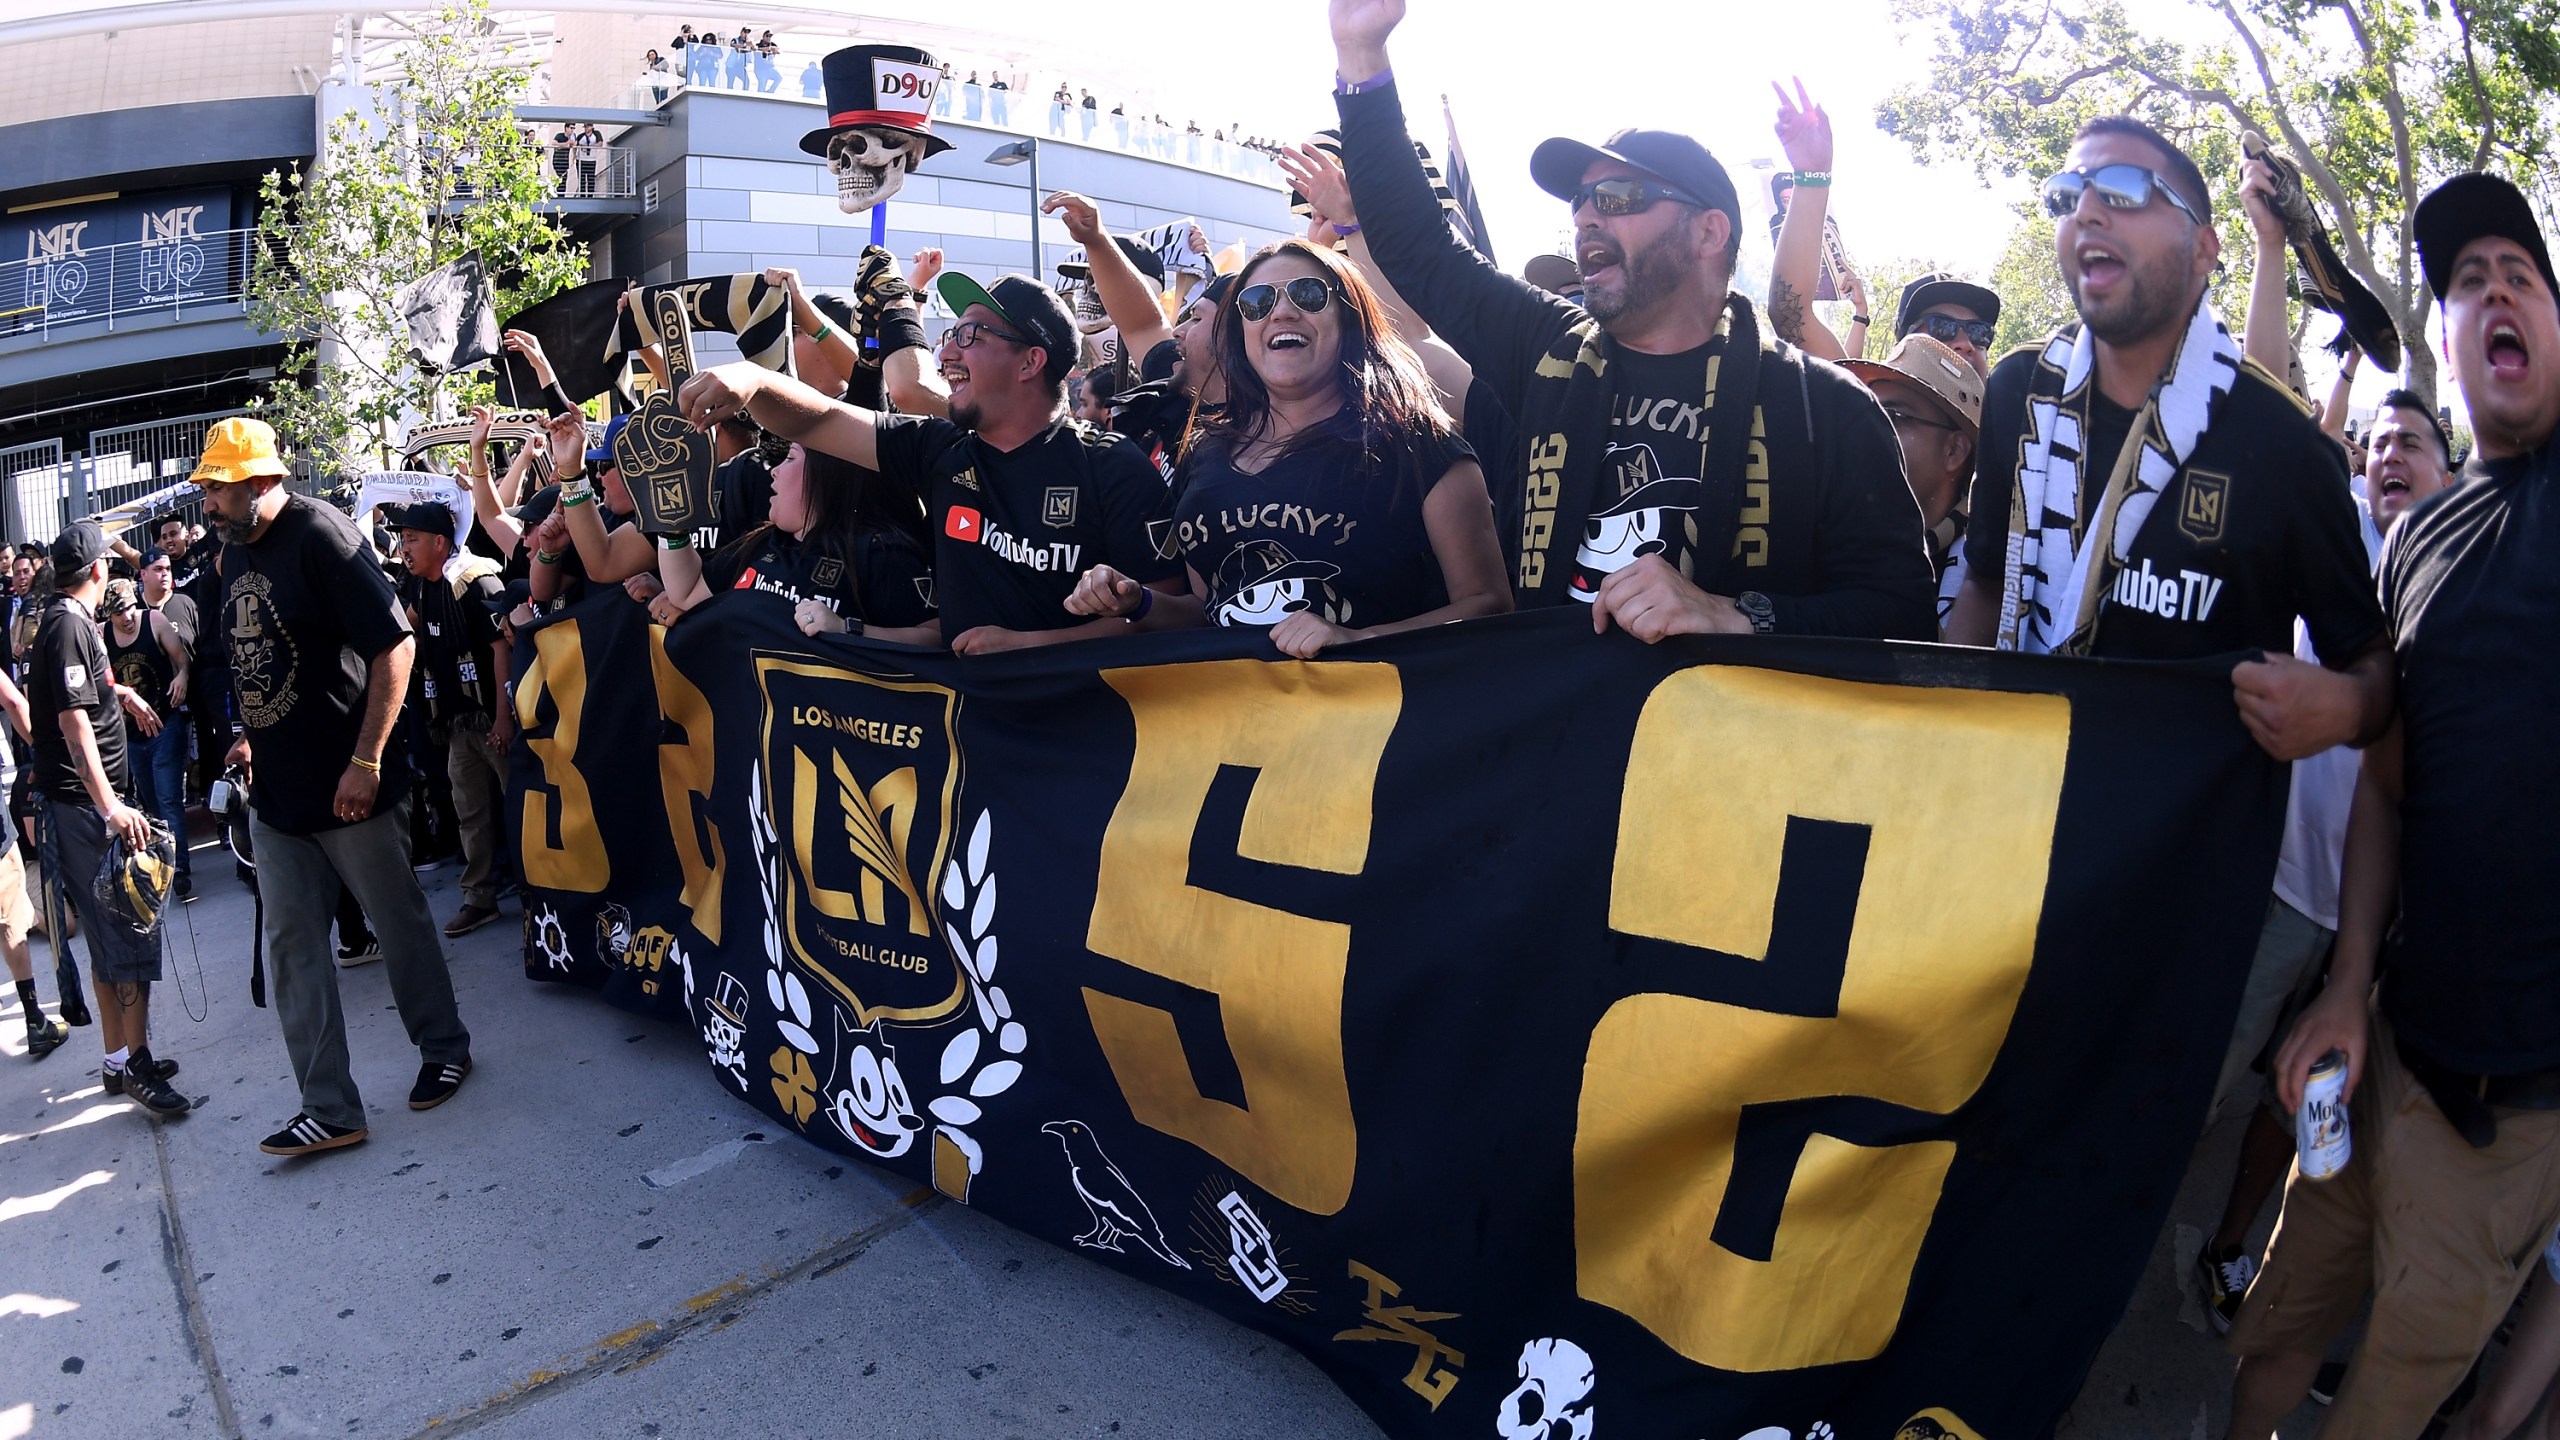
112, 284
45, 489
612, 176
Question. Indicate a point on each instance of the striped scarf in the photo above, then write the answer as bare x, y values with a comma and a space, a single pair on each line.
2055, 576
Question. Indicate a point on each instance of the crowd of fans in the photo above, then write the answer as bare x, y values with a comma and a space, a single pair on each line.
1370, 429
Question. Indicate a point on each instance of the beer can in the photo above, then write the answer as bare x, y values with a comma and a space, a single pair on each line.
2320, 1126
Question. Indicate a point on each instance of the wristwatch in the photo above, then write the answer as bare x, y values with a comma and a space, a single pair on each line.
1755, 607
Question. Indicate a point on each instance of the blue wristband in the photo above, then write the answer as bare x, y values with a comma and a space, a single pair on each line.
1146, 602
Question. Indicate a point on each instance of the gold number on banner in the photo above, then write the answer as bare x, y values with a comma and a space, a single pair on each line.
684, 778
578, 863
1959, 790
1314, 736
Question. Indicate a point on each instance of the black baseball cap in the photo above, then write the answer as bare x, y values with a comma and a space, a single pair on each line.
1146, 261
1032, 309
1942, 288
2470, 207
78, 547
426, 515
1557, 166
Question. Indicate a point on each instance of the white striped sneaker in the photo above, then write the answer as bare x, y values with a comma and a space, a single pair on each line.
306, 1135
437, 1080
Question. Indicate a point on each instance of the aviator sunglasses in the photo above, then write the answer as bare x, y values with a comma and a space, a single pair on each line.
1626, 195
2121, 186
1308, 293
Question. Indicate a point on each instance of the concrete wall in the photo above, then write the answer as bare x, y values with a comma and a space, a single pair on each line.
737, 194
138, 149
164, 65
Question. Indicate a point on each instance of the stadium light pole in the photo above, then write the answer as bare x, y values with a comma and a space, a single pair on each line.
1015, 154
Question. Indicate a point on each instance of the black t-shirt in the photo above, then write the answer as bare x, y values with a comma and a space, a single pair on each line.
741, 500
454, 640
306, 608
2471, 577
178, 612
1649, 490
69, 670
887, 582
2258, 527
1316, 530
142, 666
191, 576
1013, 530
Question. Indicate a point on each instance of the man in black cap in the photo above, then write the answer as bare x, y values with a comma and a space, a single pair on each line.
1788, 513
2453, 1074
1021, 498
84, 772
1956, 313
463, 670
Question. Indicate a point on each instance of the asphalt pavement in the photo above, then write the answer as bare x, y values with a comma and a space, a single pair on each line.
591, 1239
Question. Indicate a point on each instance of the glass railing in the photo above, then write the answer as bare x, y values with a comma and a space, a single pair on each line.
605, 172
108, 285
710, 68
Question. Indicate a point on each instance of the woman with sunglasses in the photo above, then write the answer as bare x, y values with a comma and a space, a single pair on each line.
846, 547
1330, 499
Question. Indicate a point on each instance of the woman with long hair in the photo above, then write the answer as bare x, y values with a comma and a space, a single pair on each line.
1329, 499
846, 547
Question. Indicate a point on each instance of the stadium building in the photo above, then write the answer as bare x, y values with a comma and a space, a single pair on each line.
133, 140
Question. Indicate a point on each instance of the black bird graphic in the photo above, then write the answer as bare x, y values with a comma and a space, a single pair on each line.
1108, 1196
2326, 282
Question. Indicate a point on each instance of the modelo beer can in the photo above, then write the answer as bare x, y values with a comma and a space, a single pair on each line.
2320, 1127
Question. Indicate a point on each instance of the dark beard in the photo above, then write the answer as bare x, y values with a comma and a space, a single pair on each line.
2155, 301
967, 416
1652, 273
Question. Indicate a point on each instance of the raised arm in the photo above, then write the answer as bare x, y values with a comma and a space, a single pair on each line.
2333, 417
485, 500
1804, 132
607, 557
1501, 325
784, 406
832, 342
1127, 296
524, 344
894, 324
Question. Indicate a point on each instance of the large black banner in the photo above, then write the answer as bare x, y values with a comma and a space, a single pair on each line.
1527, 1025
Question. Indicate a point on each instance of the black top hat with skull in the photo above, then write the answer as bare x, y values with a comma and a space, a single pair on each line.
879, 120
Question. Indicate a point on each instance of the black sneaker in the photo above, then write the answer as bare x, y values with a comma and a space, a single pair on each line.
437, 1080
186, 890
75, 1011
43, 1040
2225, 1278
363, 950
146, 1086
306, 1135
2324, 1385
160, 1070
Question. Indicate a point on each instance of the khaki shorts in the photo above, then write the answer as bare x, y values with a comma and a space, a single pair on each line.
17, 913
2456, 1231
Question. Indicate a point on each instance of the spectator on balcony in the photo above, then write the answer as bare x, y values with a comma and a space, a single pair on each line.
590, 157
1120, 124
972, 97
1059, 104
996, 100
742, 49
1092, 112
702, 56
941, 94
813, 86
564, 142
651, 69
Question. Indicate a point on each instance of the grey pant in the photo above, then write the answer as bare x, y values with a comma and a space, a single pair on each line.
471, 767
298, 878
117, 956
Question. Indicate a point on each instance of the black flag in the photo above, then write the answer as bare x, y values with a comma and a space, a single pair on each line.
576, 330
1462, 187
452, 316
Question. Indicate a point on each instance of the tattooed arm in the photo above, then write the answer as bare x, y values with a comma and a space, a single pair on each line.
1804, 133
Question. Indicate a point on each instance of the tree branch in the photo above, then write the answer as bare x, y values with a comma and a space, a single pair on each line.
2479, 88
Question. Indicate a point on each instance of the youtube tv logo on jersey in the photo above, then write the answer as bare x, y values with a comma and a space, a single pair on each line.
963, 523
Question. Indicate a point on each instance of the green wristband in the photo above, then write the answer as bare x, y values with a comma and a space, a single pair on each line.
675, 542
1813, 179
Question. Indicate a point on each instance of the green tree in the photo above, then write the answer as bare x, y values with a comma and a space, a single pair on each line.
423, 166
2374, 99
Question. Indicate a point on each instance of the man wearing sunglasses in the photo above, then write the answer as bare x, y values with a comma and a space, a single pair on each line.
2146, 492
1022, 498
1762, 490
1956, 313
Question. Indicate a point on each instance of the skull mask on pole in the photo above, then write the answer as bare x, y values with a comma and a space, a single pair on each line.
879, 121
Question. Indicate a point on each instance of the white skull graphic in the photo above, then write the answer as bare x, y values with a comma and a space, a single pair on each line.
870, 163
724, 1026
1553, 1398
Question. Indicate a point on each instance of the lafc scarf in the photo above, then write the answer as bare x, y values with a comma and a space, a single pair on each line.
2056, 576
758, 313
1572, 395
